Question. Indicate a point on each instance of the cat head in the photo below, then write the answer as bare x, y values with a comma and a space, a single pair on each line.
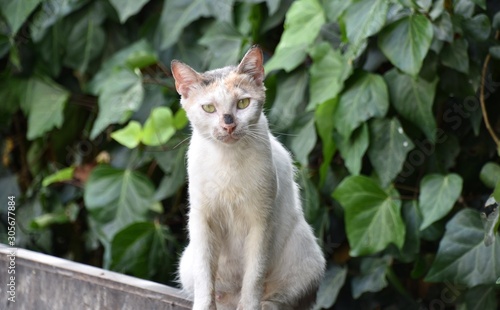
223, 104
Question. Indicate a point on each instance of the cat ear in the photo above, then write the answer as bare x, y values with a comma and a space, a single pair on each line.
185, 77
253, 64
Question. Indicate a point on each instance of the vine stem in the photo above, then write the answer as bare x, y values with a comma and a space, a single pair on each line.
482, 100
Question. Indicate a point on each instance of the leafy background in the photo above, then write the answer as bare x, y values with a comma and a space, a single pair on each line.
389, 108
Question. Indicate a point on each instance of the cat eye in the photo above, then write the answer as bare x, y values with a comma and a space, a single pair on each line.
243, 103
209, 108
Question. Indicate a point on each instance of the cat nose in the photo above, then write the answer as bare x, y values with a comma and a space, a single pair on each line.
228, 119
229, 124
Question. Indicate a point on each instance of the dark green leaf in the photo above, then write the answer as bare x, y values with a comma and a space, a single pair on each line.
372, 278
224, 42
324, 124
310, 194
406, 42
290, 92
121, 95
328, 73
116, 198
85, 40
496, 21
481, 297
329, 288
413, 98
45, 102
495, 52
443, 28
490, 220
389, 146
303, 22
438, 194
455, 55
177, 14
127, 8
353, 149
365, 98
365, 18
173, 165
140, 249
478, 27
463, 258
123, 58
372, 215
303, 142
490, 174
16, 12
50, 13
412, 219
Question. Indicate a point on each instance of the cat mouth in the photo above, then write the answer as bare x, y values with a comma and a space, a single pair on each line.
229, 138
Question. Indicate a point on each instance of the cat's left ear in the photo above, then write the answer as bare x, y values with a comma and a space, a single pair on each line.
253, 64
185, 77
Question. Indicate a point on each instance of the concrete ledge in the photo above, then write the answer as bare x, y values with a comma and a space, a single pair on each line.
45, 282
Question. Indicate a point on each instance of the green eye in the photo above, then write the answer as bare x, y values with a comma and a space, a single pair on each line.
243, 103
209, 108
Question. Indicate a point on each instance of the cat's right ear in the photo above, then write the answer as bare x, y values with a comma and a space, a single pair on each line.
185, 77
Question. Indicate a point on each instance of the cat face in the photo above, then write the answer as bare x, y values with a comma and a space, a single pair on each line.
224, 104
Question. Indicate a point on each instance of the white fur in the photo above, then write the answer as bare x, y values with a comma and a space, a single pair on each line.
250, 246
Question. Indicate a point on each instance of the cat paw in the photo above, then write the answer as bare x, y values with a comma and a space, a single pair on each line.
251, 305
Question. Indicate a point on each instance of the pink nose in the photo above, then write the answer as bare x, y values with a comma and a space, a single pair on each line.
229, 127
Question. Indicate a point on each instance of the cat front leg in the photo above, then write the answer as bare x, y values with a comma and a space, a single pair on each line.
204, 262
256, 249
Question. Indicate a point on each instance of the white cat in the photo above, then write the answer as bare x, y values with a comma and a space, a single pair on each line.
250, 247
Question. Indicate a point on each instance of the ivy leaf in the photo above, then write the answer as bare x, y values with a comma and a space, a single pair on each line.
372, 215
116, 198
490, 220
477, 27
323, 117
456, 56
302, 24
59, 176
481, 297
406, 42
173, 164
290, 93
224, 43
180, 119
137, 55
121, 95
413, 98
462, 257
372, 278
490, 174
354, 148
365, 98
127, 8
303, 143
438, 194
177, 14
328, 73
86, 39
365, 18
129, 136
140, 249
45, 102
330, 286
443, 28
16, 12
388, 149
159, 127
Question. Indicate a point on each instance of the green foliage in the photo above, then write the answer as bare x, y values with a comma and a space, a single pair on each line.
379, 102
